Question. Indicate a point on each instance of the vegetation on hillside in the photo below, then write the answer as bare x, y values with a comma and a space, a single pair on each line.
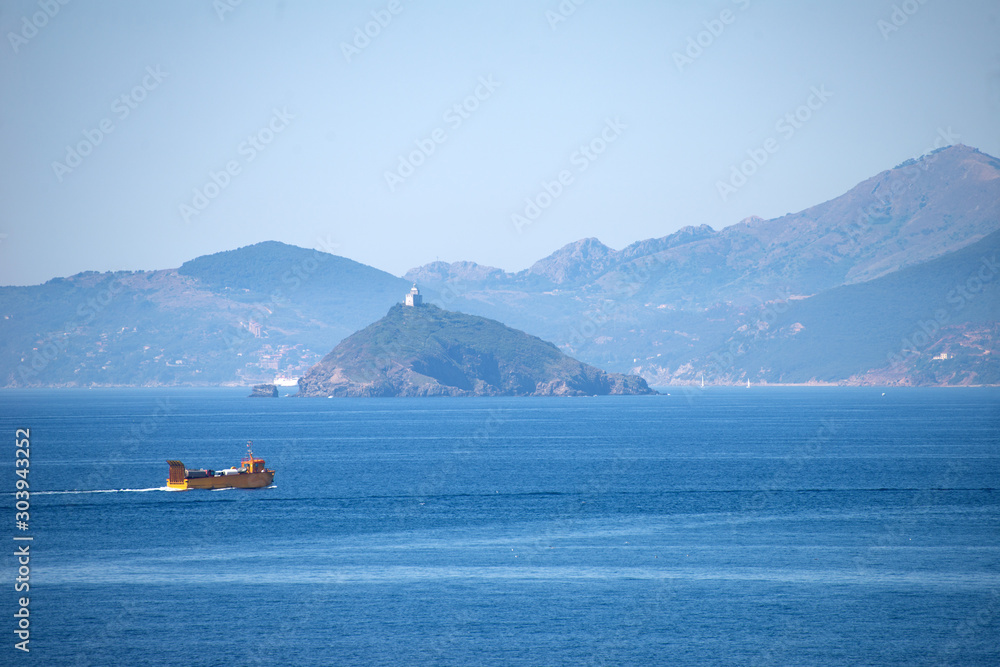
430, 351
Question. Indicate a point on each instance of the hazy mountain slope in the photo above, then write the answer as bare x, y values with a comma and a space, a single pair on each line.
235, 317
899, 319
661, 303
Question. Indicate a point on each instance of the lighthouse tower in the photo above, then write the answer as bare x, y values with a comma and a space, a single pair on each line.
413, 299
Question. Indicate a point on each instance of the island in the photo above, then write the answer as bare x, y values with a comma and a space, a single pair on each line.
418, 349
264, 391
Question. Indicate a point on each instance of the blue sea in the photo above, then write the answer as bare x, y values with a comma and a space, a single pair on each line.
762, 526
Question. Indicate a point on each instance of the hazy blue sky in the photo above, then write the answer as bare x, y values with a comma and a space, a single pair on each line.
309, 129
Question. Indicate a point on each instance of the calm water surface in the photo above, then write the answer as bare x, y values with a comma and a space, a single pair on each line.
769, 526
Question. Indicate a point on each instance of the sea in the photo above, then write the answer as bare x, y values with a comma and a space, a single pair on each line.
716, 526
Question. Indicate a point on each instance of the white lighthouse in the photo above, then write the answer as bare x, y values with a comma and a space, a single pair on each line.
413, 299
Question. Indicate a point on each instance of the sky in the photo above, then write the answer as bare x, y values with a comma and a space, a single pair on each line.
137, 136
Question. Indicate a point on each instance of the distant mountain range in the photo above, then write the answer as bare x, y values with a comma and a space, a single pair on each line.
894, 282
696, 303
427, 351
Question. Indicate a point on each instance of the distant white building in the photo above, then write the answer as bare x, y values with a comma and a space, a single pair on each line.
413, 299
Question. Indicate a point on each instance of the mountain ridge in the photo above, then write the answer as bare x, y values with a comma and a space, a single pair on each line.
666, 301
666, 307
855, 221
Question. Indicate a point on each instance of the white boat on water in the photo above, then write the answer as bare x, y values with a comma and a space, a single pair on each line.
285, 381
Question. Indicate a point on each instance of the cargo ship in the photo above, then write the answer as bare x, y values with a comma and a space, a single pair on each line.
250, 475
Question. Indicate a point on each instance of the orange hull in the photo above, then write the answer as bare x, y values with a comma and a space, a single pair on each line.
245, 480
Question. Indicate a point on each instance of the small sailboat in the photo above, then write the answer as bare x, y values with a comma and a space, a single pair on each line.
748, 383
